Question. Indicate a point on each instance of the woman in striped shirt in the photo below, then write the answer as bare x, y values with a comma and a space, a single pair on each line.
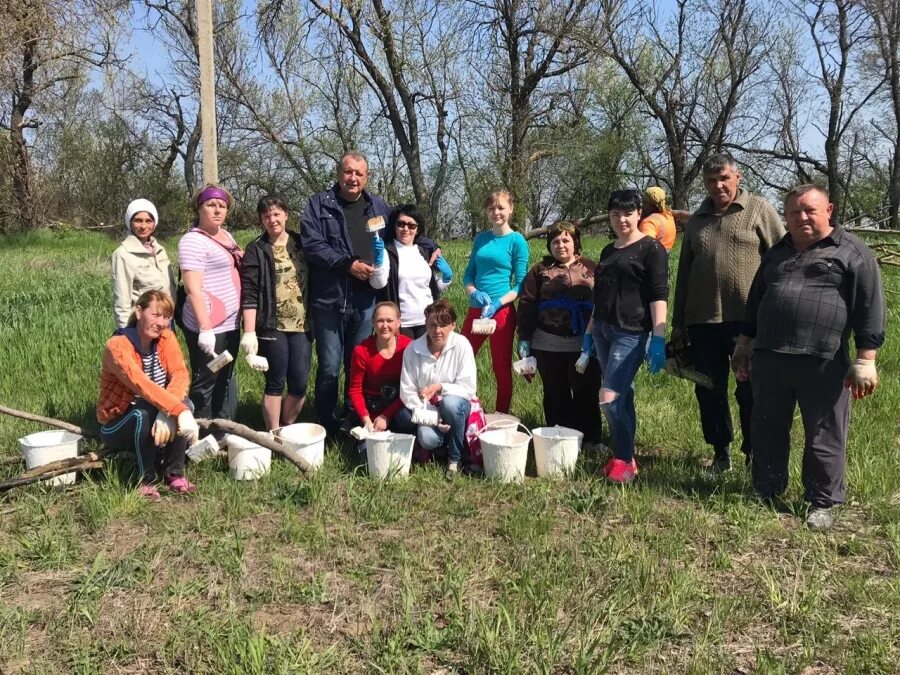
210, 259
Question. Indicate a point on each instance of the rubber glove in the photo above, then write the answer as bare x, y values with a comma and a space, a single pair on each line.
479, 299
187, 427
862, 378
489, 311
378, 246
206, 341
443, 267
524, 349
587, 346
163, 429
656, 354
249, 343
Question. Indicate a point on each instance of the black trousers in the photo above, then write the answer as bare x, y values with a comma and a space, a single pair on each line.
413, 332
570, 400
132, 432
781, 382
213, 394
712, 345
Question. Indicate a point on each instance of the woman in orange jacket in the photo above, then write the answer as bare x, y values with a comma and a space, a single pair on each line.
143, 406
658, 221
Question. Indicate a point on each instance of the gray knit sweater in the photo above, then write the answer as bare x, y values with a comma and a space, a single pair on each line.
719, 257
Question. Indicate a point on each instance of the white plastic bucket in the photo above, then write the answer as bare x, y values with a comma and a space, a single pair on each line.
247, 460
50, 446
556, 450
498, 420
388, 454
306, 441
505, 452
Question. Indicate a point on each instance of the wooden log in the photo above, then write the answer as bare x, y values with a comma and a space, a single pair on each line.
262, 439
59, 424
19, 481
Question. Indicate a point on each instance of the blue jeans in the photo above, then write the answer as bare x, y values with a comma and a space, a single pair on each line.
337, 333
454, 410
620, 353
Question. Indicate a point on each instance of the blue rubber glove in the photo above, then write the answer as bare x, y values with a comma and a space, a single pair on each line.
587, 346
524, 349
443, 267
378, 246
479, 299
656, 354
489, 311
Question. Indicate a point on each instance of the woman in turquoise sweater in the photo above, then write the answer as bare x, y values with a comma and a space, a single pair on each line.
493, 279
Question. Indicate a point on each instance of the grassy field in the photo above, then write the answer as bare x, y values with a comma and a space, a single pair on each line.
679, 572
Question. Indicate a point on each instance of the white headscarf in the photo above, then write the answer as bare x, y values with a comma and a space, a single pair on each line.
137, 206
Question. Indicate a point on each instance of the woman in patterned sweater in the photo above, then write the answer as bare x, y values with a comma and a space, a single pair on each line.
274, 278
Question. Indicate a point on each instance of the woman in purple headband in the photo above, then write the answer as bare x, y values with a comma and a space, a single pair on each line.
210, 261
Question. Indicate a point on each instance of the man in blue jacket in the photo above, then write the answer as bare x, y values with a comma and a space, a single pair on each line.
342, 255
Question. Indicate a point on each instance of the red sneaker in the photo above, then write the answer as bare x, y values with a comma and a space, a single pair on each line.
180, 484
621, 471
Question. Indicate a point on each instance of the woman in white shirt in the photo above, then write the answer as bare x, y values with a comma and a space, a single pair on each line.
413, 280
439, 368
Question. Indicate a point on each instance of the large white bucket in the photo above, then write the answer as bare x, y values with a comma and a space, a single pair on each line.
50, 446
556, 450
247, 460
497, 420
388, 454
306, 441
505, 452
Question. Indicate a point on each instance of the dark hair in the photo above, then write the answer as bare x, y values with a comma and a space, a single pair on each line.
801, 190
442, 311
624, 200
561, 226
269, 201
719, 162
410, 210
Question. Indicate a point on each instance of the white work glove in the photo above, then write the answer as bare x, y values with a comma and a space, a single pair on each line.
206, 341
249, 344
187, 427
258, 363
163, 429
582, 363
861, 378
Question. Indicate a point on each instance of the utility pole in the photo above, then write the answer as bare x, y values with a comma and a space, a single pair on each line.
207, 92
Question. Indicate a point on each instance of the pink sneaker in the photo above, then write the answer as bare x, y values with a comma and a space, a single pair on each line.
621, 471
149, 492
180, 484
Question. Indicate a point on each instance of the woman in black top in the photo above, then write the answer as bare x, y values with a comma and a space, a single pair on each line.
630, 291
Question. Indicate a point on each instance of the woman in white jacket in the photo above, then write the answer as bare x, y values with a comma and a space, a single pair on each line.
439, 368
140, 263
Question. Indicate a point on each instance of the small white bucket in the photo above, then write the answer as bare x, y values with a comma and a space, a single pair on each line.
498, 420
305, 440
50, 446
556, 450
247, 460
505, 452
388, 454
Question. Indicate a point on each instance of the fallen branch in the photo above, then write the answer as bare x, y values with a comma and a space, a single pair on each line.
24, 479
59, 424
262, 439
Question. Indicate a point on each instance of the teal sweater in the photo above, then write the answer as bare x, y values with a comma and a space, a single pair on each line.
497, 264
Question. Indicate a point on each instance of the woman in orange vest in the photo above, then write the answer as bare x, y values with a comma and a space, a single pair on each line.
658, 221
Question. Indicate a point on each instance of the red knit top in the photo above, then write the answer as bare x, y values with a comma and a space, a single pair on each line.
369, 372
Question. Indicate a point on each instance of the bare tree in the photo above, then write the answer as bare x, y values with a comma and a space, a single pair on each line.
693, 69
45, 43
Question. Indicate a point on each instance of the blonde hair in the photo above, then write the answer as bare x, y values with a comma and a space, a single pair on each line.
167, 307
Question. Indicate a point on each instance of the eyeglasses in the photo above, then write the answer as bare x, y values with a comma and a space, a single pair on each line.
408, 225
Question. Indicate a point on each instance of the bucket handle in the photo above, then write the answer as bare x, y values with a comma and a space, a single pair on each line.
505, 422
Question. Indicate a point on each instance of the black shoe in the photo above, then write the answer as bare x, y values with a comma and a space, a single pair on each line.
721, 460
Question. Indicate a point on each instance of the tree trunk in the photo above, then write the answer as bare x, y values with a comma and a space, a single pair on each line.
190, 156
23, 195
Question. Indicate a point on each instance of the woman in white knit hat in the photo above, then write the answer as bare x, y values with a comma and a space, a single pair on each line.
140, 263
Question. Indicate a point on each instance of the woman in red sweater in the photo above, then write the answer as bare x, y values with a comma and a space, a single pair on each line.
375, 371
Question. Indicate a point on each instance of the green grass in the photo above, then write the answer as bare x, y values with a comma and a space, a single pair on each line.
679, 572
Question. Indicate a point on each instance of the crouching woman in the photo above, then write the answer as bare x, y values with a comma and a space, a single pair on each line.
143, 396
439, 369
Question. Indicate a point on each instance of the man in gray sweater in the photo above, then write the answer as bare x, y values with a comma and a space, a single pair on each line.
723, 242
